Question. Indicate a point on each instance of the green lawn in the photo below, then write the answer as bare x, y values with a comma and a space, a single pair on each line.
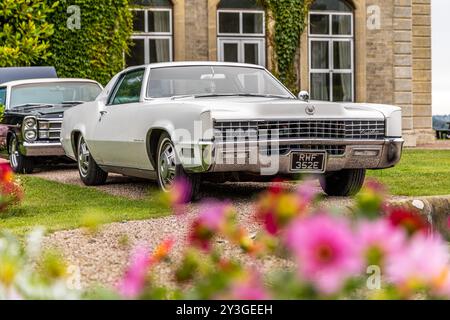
420, 173
59, 206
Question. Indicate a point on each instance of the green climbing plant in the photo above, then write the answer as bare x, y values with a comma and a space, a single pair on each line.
91, 38
290, 22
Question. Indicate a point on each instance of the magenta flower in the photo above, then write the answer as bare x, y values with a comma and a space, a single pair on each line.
211, 220
326, 252
212, 214
423, 264
380, 239
133, 282
249, 289
307, 191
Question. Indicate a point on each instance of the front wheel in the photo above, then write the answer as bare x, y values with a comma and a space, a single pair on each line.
343, 183
90, 173
19, 162
169, 171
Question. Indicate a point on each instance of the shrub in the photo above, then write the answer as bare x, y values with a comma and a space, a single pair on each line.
95, 50
24, 32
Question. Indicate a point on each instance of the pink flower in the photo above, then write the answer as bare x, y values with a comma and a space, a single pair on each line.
307, 191
326, 251
212, 214
179, 195
133, 282
423, 264
210, 221
249, 289
379, 240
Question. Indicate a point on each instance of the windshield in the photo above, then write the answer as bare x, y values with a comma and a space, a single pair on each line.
213, 80
54, 93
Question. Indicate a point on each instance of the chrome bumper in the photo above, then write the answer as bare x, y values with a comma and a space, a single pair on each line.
42, 149
359, 154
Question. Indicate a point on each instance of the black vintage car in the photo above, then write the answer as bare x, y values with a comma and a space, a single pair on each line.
33, 114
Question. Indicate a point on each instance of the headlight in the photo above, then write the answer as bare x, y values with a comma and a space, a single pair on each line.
44, 125
30, 135
43, 135
29, 129
30, 123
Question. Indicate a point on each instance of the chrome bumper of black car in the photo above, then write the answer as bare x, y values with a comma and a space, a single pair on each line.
42, 149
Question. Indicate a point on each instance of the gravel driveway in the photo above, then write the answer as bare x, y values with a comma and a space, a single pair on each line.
102, 258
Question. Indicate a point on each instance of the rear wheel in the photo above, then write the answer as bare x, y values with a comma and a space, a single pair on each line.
343, 183
169, 171
90, 173
19, 163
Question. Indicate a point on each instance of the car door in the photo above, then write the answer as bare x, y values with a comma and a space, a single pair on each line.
119, 139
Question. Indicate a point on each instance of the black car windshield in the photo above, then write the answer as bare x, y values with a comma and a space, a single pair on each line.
53, 93
207, 81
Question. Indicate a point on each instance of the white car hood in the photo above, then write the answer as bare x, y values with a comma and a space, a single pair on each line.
241, 108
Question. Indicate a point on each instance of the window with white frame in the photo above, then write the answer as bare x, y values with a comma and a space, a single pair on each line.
331, 55
241, 32
152, 34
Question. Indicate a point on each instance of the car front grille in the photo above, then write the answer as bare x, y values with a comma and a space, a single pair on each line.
300, 129
50, 129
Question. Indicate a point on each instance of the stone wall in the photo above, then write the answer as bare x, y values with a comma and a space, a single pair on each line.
379, 55
196, 30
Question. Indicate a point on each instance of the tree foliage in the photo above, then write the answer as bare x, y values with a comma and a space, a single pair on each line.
24, 32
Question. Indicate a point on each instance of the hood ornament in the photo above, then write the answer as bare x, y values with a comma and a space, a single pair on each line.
310, 110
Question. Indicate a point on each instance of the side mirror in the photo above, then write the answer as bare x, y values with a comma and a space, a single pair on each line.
303, 96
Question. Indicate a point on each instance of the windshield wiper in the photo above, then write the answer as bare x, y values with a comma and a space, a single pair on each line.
263, 95
214, 95
72, 102
27, 106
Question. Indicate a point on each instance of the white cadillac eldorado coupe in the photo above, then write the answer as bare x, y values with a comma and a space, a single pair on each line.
207, 121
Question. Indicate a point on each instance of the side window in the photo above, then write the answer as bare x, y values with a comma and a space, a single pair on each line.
129, 88
2, 96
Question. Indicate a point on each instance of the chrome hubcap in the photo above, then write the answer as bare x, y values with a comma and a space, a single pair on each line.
14, 156
83, 157
167, 165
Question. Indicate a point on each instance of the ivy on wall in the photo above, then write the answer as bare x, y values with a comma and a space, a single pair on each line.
290, 22
90, 38
24, 32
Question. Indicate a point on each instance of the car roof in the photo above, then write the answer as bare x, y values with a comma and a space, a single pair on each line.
46, 80
196, 64
21, 73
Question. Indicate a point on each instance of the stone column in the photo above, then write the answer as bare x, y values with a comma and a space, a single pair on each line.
403, 66
421, 47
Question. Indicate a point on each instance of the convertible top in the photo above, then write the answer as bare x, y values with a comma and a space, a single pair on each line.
24, 73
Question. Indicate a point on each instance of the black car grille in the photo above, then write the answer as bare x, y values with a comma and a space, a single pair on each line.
50, 128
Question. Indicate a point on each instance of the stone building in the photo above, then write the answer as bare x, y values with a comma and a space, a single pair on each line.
352, 50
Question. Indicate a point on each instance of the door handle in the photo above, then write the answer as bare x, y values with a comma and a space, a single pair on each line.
102, 113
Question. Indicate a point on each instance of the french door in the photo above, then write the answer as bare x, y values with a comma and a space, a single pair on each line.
242, 50
331, 69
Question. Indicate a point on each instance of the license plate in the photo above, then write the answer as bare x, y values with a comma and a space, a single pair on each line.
309, 162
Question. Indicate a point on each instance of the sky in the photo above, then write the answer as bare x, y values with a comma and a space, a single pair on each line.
441, 56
